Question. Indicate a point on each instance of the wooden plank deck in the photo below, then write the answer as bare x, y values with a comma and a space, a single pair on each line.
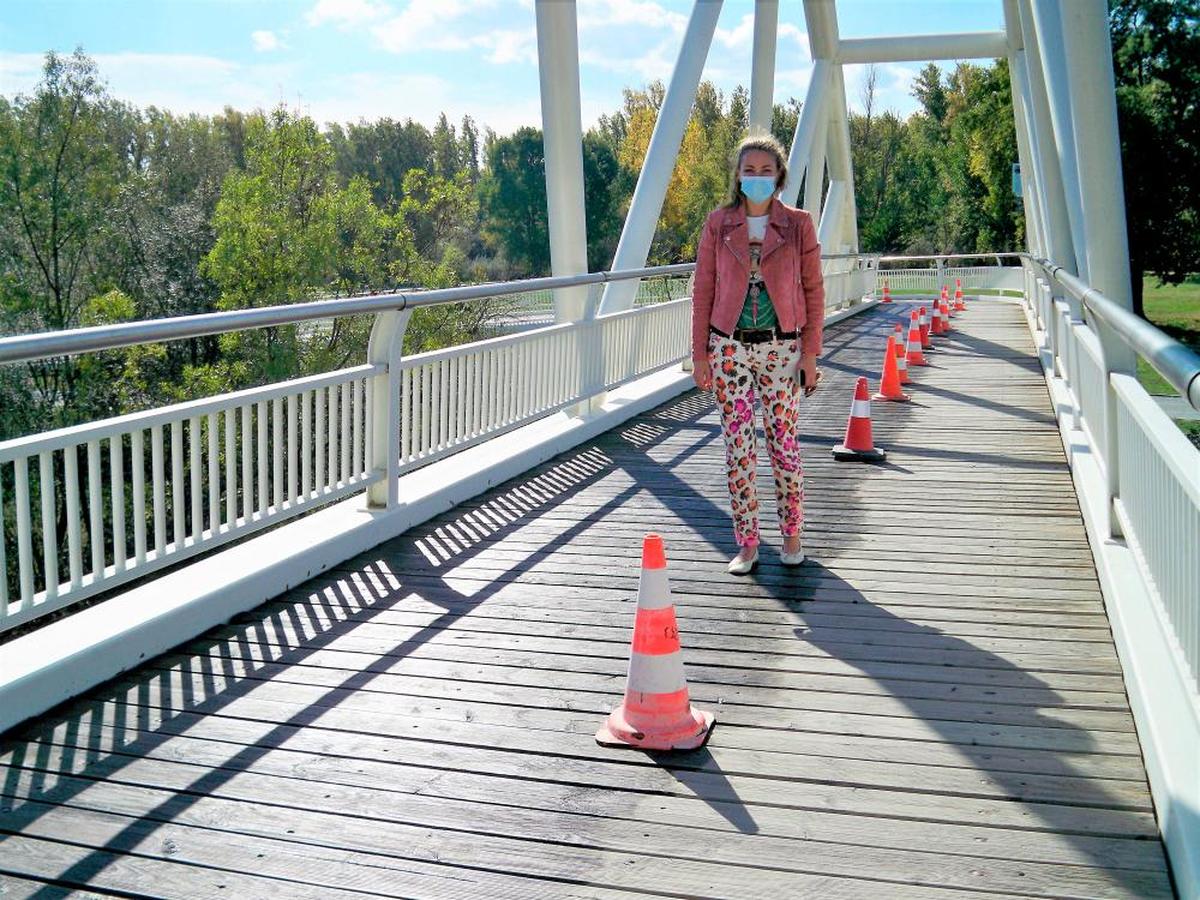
930, 707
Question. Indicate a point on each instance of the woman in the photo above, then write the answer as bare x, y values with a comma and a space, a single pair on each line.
758, 308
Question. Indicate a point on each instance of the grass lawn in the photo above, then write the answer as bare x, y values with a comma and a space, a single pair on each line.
1175, 308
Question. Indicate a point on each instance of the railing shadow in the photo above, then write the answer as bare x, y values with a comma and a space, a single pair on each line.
127, 718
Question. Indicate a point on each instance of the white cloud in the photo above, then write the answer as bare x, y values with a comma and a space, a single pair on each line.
626, 13
265, 41
509, 46
346, 13
655, 62
182, 83
19, 72
424, 25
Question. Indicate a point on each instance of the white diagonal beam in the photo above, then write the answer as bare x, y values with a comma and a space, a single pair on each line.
634, 244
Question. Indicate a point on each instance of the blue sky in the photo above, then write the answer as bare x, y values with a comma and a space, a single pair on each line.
348, 59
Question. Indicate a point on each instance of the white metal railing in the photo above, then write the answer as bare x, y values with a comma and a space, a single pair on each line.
927, 274
1151, 470
143, 491
98, 505
849, 279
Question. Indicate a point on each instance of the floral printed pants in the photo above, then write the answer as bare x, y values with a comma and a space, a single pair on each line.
742, 372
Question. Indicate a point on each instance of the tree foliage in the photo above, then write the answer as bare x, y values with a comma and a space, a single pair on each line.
1156, 62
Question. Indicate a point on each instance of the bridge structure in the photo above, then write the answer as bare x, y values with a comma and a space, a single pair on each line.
352, 634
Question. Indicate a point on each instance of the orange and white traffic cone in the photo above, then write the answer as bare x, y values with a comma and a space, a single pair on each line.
947, 303
657, 713
936, 329
959, 302
913, 345
887, 292
923, 328
858, 445
889, 383
946, 326
899, 336
902, 363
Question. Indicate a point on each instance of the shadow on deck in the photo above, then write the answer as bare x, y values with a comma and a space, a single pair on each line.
930, 707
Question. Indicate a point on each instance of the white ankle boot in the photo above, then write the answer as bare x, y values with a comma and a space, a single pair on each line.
792, 559
742, 566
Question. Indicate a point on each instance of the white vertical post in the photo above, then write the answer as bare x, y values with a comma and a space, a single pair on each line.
1048, 28
231, 513
651, 189
384, 348
1033, 234
137, 452
158, 488
1097, 146
1057, 234
194, 437
562, 136
178, 491
261, 446
840, 233
247, 434
24, 531
117, 477
74, 551
762, 74
277, 453
1098, 150
214, 474
841, 165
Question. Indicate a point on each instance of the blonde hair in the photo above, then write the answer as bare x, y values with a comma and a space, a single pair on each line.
767, 144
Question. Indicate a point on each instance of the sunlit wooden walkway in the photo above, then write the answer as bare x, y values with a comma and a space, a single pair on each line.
930, 707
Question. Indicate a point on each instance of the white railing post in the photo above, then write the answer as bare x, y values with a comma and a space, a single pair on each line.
1115, 360
383, 413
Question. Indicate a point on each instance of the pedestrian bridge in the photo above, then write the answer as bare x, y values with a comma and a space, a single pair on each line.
353, 634
937, 703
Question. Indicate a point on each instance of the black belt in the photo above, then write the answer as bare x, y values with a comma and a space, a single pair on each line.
758, 335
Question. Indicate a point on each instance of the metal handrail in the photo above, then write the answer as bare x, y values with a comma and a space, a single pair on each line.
25, 348
1173, 360
936, 256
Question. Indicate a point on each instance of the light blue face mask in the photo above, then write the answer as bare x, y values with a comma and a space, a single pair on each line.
758, 188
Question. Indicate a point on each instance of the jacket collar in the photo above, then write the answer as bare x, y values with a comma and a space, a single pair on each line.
776, 215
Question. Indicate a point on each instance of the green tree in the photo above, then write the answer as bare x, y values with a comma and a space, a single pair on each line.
382, 152
1156, 61
512, 193
446, 159
59, 177
285, 232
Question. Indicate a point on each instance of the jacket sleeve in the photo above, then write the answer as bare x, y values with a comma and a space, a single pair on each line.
704, 290
814, 288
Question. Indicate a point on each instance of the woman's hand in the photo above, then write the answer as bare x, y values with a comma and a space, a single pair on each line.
811, 376
702, 374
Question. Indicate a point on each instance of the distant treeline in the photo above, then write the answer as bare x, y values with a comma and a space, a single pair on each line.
111, 213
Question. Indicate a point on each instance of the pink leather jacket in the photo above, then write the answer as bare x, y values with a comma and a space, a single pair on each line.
791, 268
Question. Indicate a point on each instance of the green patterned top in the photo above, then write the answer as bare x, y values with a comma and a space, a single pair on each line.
758, 313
